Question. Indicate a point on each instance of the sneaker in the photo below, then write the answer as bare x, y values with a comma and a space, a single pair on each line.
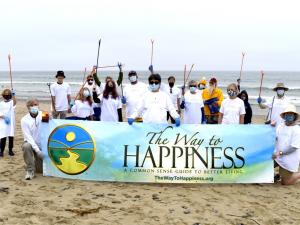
29, 175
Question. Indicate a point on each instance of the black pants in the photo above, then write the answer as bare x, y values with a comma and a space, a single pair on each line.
10, 144
170, 117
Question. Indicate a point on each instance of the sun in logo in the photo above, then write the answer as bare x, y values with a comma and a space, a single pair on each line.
71, 149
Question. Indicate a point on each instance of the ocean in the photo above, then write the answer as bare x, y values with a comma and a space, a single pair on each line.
34, 83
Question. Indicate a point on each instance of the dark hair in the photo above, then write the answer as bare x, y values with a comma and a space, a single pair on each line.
154, 76
132, 73
114, 92
171, 77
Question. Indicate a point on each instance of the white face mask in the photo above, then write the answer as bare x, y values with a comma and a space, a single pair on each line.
34, 110
133, 78
280, 92
86, 93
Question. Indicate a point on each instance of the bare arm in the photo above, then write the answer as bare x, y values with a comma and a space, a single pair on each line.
220, 118
242, 118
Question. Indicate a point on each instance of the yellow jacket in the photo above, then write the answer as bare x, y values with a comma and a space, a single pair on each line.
217, 93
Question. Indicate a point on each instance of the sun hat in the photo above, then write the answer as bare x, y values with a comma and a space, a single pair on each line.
202, 81
60, 73
290, 109
281, 86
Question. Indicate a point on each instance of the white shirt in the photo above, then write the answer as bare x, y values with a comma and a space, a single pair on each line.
82, 109
7, 109
288, 137
231, 110
193, 105
109, 108
154, 106
279, 106
133, 94
60, 92
31, 128
176, 94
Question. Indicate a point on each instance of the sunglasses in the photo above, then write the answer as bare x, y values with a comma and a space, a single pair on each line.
90, 80
193, 86
154, 82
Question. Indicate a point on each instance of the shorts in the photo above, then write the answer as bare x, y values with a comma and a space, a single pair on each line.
283, 172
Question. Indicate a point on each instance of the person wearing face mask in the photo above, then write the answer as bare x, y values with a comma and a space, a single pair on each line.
94, 90
212, 97
232, 109
111, 105
7, 121
61, 97
175, 95
155, 104
193, 105
276, 105
83, 107
31, 128
132, 94
202, 84
248, 116
287, 149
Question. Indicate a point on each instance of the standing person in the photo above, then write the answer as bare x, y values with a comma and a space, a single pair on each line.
193, 105
287, 150
83, 107
212, 97
7, 121
31, 128
111, 105
202, 84
61, 97
94, 89
132, 94
175, 95
232, 109
155, 104
248, 116
276, 105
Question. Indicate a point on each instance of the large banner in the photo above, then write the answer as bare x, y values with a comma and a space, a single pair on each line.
106, 151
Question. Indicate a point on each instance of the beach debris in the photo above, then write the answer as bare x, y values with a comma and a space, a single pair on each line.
155, 197
4, 189
187, 211
245, 217
116, 202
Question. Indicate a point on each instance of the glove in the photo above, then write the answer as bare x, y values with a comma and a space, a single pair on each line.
120, 66
182, 105
177, 122
7, 120
259, 100
123, 100
13, 93
40, 154
130, 121
203, 122
151, 68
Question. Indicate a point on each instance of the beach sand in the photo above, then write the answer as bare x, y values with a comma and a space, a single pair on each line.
48, 200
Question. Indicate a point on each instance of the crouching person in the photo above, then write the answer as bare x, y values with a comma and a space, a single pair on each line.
287, 151
32, 153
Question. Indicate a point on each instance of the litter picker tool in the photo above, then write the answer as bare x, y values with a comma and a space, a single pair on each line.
261, 81
10, 74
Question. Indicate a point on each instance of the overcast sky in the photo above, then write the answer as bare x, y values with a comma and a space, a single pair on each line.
63, 34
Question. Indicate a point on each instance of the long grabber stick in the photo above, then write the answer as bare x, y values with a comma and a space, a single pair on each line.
99, 45
188, 76
152, 43
10, 74
53, 106
242, 64
113, 66
184, 79
261, 81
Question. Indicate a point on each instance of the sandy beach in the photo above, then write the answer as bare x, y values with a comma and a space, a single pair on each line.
48, 200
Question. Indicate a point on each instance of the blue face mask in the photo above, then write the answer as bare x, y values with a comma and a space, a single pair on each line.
34, 110
193, 89
289, 117
154, 87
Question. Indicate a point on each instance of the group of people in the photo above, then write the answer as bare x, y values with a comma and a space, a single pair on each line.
153, 103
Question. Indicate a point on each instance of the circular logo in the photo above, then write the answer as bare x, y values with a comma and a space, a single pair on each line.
71, 148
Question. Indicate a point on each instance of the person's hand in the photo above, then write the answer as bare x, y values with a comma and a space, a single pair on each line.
130, 121
177, 122
151, 69
215, 104
275, 155
40, 154
273, 123
238, 81
259, 100
203, 122
6, 120
13, 93
123, 100
120, 66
